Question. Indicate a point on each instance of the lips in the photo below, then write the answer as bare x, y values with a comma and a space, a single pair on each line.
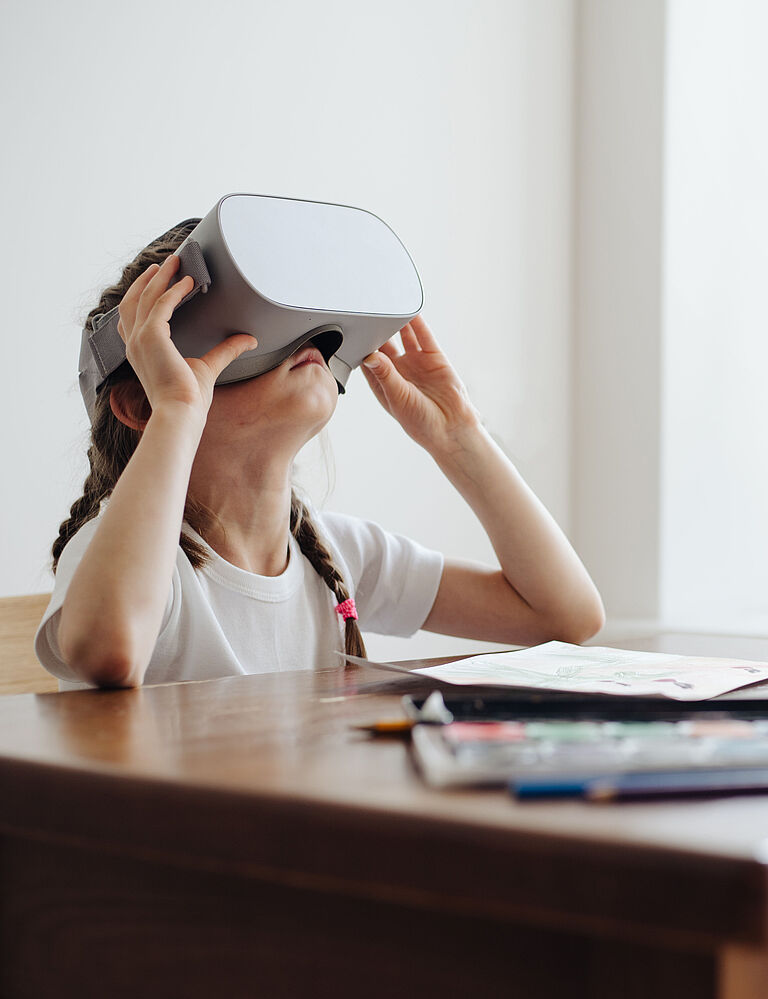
309, 355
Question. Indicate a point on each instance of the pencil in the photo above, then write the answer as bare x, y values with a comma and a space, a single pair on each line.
626, 787
388, 726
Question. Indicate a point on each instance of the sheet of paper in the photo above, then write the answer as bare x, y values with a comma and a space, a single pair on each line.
597, 670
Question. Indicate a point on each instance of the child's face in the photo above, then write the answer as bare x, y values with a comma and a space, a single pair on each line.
284, 407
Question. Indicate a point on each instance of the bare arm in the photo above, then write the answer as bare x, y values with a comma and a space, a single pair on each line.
541, 590
114, 605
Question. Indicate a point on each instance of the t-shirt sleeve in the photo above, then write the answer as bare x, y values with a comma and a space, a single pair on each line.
46, 638
394, 579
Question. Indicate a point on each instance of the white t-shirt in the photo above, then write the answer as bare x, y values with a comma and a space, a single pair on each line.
223, 621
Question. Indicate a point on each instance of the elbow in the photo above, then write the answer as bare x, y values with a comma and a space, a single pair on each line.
112, 671
580, 624
107, 664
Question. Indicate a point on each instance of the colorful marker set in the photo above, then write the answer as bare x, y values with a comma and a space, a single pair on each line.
561, 756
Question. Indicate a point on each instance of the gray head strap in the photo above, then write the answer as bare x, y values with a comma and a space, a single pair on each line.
102, 350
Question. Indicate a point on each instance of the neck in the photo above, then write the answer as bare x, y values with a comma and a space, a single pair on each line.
251, 503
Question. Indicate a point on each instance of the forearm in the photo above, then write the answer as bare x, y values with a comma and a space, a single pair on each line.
114, 605
535, 557
541, 589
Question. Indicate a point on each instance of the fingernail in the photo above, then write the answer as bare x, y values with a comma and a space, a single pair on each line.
372, 362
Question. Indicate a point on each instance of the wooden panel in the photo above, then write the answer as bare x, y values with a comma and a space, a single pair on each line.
450, 865
743, 973
20, 672
77, 923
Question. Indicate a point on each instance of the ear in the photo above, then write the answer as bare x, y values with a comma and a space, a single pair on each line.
130, 405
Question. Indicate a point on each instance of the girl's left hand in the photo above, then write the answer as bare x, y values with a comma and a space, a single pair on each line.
420, 389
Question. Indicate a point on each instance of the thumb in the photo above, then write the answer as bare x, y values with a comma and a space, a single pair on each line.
388, 379
228, 350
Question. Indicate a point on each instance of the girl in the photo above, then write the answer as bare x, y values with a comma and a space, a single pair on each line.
189, 556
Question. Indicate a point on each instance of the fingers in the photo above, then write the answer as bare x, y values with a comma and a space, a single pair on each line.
390, 349
163, 308
228, 350
138, 301
415, 336
150, 296
156, 286
167, 302
423, 334
408, 336
130, 299
375, 363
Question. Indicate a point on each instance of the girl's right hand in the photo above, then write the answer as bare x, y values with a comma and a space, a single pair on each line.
167, 377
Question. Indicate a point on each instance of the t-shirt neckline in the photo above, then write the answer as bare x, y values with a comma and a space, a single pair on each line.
232, 577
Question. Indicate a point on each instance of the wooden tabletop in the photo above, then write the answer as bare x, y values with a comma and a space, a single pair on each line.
264, 775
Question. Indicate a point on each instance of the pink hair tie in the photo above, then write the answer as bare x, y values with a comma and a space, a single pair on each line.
347, 609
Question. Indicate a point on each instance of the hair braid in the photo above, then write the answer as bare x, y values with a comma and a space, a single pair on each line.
321, 561
83, 509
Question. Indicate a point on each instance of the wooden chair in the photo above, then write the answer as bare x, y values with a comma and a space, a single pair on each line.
20, 672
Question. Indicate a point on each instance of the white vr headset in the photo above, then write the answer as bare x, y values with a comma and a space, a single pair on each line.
287, 271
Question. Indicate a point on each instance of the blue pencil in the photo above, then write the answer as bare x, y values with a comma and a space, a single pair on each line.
554, 786
644, 784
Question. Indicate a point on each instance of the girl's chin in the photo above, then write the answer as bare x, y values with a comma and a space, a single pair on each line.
303, 398
308, 406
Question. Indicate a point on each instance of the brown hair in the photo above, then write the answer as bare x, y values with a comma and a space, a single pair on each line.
113, 443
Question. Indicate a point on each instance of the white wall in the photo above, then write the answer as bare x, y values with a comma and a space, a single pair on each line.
451, 120
618, 203
715, 469
670, 479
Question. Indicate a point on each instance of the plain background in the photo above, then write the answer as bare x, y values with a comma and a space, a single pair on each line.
580, 182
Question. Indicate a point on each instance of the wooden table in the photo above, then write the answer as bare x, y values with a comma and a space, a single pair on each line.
237, 838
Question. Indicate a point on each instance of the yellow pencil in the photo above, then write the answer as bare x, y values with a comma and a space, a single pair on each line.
387, 726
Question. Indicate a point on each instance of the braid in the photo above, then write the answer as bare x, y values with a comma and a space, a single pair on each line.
321, 561
82, 510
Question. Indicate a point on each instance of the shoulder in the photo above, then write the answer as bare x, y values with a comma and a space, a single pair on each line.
356, 540
343, 528
371, 551
394, 578
357, 532
75, 548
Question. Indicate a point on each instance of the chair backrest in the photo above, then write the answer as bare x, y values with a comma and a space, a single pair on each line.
20, 672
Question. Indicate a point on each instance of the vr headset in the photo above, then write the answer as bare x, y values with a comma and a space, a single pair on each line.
286, 271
